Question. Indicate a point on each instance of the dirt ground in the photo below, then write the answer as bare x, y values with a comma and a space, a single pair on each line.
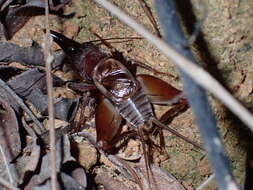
224, 48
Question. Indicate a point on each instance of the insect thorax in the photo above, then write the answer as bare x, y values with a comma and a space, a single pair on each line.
118, 84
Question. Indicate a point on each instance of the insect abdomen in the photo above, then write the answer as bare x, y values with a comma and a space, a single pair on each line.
136, 109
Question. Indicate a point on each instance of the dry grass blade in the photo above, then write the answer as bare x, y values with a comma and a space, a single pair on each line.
49, 60
6, 184
206, 182
6, 163
198, 74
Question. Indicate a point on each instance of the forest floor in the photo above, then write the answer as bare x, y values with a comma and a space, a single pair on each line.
224, 48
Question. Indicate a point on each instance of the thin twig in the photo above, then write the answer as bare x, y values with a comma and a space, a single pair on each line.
198, 74
206, 182
49, 60
197, 98
7, 185
39, 129
6, 163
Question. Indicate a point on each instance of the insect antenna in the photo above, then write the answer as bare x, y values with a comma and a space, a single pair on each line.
150, 16
113, 50
107, 44
117, 39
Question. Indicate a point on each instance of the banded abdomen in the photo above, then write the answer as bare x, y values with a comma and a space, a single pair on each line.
137, 109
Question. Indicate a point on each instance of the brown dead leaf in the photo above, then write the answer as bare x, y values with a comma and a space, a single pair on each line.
32, 161
111, 181
10, 140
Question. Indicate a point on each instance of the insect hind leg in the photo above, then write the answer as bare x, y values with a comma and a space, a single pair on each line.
163, 126
146, 158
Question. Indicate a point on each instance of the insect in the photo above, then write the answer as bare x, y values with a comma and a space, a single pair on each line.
121, 93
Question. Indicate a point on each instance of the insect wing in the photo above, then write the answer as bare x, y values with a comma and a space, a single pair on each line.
158, 91
107, 121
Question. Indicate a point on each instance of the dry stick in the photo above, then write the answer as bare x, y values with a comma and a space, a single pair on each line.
6, 163
198, 74
206, 182
39, 129
5, 4
7, 185
48, 60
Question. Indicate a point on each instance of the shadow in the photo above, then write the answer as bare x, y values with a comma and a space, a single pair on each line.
189, 20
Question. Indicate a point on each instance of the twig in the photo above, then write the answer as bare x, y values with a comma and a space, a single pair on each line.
206, 182
39, 129
6, 184
197, 98
49, 60
5, 160
198, 74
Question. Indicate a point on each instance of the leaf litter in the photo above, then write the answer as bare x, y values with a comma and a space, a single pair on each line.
29, 83
29, 155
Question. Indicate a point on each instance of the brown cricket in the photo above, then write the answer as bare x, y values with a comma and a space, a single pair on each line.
121, 93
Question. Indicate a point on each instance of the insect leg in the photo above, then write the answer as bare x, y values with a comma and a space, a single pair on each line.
146, 155
158, 91
163, 126
107, 120
82, 87
151, 69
